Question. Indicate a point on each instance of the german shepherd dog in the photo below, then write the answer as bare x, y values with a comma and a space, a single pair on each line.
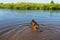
34, 26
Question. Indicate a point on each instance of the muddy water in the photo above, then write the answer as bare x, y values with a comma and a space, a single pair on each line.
24, 32
15, 25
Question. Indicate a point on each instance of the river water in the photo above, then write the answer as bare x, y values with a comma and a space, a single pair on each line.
10, 17
13, 19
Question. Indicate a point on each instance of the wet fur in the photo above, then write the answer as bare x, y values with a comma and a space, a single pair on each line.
34, 26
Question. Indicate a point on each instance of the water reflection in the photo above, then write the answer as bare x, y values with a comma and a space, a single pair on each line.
25, 16
54, 12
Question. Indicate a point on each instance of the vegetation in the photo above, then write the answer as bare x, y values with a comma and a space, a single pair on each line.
31, 6
52, 2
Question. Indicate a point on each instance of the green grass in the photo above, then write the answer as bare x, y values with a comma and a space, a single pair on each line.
31, 6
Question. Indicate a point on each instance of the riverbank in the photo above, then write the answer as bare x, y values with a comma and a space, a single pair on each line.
30, 6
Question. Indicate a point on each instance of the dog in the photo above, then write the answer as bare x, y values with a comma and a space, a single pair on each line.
34, 26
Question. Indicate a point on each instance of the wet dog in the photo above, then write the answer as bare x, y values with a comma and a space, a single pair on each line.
34, 26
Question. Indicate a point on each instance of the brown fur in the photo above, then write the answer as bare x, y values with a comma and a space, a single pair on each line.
34, 26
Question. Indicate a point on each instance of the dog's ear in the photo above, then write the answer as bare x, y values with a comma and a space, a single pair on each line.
33, 20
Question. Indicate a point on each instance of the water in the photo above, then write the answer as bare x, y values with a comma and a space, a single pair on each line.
13, 22
9, 17
14, 17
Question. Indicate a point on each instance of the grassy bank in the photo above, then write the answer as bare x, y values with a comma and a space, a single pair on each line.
30, 6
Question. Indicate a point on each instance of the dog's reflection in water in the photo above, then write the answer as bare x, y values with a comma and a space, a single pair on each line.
35, 26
